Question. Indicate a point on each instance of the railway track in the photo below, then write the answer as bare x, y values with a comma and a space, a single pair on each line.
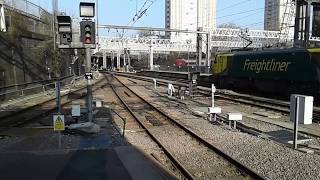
164, 130
247, 128
266, 103
30, 114
269, 104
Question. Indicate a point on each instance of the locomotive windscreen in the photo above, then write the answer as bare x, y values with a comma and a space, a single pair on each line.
316, 20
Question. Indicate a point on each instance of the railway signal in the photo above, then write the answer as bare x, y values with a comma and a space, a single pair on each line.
87, 37
65, 30
87, 32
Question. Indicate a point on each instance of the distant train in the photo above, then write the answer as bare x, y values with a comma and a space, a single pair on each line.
284, 71
181, 63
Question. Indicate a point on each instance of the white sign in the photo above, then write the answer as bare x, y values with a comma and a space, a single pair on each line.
75, 111
3, 27
98, 103
58, 123
213, 88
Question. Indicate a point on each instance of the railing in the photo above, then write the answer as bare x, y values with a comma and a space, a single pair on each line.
28, 8
36, 90
24, 85
40, 19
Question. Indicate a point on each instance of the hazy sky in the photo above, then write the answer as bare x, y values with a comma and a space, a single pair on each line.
247, 13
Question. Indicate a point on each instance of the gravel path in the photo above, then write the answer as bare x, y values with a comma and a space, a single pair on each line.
272, 160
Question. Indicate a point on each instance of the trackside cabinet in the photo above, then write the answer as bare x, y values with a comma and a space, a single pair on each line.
305, 108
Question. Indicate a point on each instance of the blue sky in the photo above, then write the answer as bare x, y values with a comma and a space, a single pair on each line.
246, 13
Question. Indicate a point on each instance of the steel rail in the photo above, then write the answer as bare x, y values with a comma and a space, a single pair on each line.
6, 121
282, 107
182, 169
248, 129
231, 160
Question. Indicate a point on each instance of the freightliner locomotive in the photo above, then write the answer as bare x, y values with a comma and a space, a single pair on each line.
284, 71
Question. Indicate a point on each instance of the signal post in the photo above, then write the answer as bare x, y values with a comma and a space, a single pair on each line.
87, 41
87, 37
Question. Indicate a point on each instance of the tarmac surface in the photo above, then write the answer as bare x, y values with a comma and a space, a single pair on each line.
124, 162
32, 152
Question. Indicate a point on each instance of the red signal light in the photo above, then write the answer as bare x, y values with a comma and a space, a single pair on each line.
87, 40
87, 32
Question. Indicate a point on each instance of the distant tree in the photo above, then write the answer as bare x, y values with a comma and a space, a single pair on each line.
229, 25
54, 57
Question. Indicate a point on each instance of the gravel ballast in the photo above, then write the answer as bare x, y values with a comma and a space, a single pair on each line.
268, 158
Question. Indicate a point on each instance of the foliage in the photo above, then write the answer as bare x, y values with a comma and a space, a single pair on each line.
47, 51
44, 51
18, 26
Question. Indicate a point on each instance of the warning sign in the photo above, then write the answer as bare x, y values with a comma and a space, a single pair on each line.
58, 122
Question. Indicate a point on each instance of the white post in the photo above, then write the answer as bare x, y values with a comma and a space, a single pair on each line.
118, 59
104, 61
112, 60
170, 89
213, 90
155, 83
124, 59
151, 56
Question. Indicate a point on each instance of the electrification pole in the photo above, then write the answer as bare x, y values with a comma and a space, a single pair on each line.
199, 37
97, 30
54, 14
199, 48
302, 22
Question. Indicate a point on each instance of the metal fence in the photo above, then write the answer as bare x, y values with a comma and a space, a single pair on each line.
36, 19
28, 8
12, 96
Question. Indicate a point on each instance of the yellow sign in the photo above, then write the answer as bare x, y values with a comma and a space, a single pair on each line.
58, 123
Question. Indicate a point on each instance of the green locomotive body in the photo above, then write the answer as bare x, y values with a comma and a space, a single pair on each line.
284, 70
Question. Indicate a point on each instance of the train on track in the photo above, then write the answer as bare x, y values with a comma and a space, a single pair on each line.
284, 71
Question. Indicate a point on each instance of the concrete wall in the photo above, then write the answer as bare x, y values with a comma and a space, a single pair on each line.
23, 49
